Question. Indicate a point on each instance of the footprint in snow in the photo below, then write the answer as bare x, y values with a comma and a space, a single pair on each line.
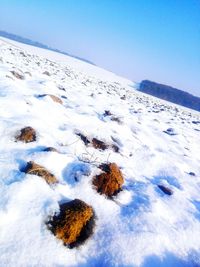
74, 171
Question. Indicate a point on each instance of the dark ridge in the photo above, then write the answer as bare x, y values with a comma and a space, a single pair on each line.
170, 94
27, 41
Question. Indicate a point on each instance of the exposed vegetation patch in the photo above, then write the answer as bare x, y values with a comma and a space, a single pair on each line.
74, 224
27, 135
96, 143
110, 181
36, 169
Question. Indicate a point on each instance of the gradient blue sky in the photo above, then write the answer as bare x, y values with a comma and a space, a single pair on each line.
139, 39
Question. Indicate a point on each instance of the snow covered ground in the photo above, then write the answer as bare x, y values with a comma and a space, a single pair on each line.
158, 144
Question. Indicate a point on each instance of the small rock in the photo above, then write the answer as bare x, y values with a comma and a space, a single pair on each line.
114, 118
22, 54
50, 149
27, 135
99, 144
46, 73
74, 224
60, 87
110, 181
196, 122
17, 75
165, 190
83, 138
36, 169
115, 148
107, 113
170, 131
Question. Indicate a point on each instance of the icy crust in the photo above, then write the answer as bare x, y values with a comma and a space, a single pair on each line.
158, 145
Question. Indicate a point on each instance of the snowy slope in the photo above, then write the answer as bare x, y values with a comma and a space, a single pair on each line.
141, 226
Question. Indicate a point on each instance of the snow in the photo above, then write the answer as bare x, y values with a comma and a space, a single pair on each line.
141, 226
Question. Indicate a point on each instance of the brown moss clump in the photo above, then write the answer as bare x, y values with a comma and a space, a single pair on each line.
27, 135
110, 181
36, 169
99, 144
74, 224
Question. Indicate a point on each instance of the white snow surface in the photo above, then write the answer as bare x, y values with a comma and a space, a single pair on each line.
141, 226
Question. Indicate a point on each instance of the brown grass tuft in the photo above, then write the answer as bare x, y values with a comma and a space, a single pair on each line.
74, 224
36, 169
27, 135
110, 181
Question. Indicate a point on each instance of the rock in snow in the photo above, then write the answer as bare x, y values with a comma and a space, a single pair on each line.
36, 169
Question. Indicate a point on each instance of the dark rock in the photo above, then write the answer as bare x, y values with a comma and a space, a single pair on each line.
61, 88
107, 113
50, 149
196, 122
99, 144
46, 73
114, 118
170, 131
83, 138
27, 135
165, 190
123, 97
115, 148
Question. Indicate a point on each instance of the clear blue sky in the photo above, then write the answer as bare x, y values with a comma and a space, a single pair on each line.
139, 39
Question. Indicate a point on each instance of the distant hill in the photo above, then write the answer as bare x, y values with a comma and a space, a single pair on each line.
171, 94
23, 40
